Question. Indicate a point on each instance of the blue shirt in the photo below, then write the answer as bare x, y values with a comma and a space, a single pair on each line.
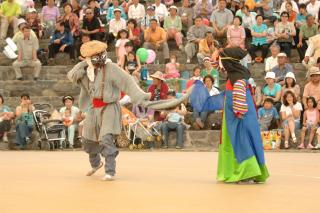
259, 29
262, 112
300, 18
272, 93
66, 38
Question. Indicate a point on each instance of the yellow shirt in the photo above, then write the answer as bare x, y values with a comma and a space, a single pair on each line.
10, 9
155, 36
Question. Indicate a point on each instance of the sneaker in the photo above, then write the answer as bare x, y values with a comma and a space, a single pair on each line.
108, 177
188, 61
35, 78
5, 139
164, 147
178, 147
317, 146
93, 170
181, 47
20, 79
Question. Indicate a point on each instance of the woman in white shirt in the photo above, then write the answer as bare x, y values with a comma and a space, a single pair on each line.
290, 114
313, 8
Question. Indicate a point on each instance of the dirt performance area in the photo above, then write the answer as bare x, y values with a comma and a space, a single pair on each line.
153, 182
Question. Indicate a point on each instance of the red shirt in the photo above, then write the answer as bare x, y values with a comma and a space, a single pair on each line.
163, 91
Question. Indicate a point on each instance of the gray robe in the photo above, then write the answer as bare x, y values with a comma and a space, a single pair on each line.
107, 120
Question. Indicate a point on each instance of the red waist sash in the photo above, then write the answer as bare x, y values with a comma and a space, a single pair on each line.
98, 103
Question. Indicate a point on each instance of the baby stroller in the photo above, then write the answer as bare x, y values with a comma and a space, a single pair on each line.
136, 132
49, 129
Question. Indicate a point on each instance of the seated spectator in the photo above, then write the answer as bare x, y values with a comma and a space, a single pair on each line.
75, 7
203, 8
265, 8
172, 68
282, 68
136, 11
19, 35
290, 84
132, 66
272, 90
128, 48
294, 6
207, 47
256, 92
159, 90
145, 22
173, 26
186, 13
210, 70
312, 88
122, 39
313, 8
236, 34
310, 123
301, 16
291, 12
134, 32
290, 116
272, 61
155, 38
69, 114
34, 22
285, 31
161, 11
194, 36
201, 117
115, 25
91, 25
110, 13
24, 121
271, 33
248, 19
267, 115
92, 4
49, 17
307, 30
70, 20
259, 39
84, 38
318, 129
174, 121
61, 41
9, 13
234, 6
27, 54
6, 116
221, 18
196, 74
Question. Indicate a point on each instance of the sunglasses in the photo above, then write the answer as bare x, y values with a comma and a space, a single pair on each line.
285, 16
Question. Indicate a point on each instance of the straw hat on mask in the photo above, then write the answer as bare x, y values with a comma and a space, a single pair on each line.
92, 48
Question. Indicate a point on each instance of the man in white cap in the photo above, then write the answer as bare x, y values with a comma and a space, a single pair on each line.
9, 12
173, 26
282, 68
101, 83
115, 25
312, 88
27, 54
19, 35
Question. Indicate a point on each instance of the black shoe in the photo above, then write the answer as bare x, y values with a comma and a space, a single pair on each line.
20, 79
35, 78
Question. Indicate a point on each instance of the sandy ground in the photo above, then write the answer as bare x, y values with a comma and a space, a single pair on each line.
153, 182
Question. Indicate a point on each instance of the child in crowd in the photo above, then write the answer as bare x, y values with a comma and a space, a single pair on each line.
172, 68
122, 39
271, 35
267, 114
318, 129
210, 70
132, 66
310, 122
196, 74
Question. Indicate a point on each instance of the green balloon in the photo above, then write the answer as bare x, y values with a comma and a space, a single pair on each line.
142, 53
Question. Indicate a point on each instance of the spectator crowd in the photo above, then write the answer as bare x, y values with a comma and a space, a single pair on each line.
267, 29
